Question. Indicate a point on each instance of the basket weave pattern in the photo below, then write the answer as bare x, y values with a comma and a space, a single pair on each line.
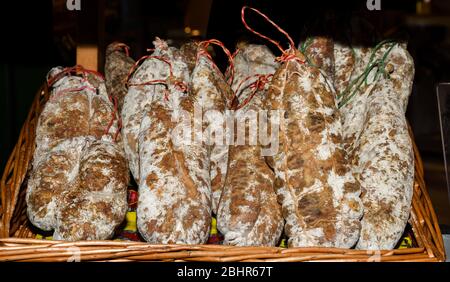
17, 243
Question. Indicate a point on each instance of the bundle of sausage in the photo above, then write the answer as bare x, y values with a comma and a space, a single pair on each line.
78, 183
377, 138
342, 181
176, 167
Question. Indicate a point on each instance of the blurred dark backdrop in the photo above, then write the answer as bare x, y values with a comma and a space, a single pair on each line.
40, 34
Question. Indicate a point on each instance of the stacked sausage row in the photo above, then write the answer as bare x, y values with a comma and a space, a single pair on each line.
78, 183
341, 175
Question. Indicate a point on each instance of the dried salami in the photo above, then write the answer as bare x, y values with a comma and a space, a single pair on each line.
211, 91
385, 163
320, 52
248, 213
353, 62
344, 63
78, 189
313, 179
140, 97
314, 182
117, 65
77, 106
174, 191
54, 173
97, 203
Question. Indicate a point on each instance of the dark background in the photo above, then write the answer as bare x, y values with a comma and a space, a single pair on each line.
37, 35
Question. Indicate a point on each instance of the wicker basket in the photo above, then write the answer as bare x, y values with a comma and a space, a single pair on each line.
17, 241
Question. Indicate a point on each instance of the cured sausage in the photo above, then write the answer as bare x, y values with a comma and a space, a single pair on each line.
52, 174
97, 203
77, 106
139, 99
117, 65
248, 213
174, 191
211, 91
320, 52
314, 181
79, 189
385, 162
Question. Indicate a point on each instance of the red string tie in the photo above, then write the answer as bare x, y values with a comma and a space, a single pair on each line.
286, 54
258, 85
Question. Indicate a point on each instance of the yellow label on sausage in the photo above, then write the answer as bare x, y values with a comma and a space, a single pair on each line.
39, 236
131, 221
406, 243
213, 226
